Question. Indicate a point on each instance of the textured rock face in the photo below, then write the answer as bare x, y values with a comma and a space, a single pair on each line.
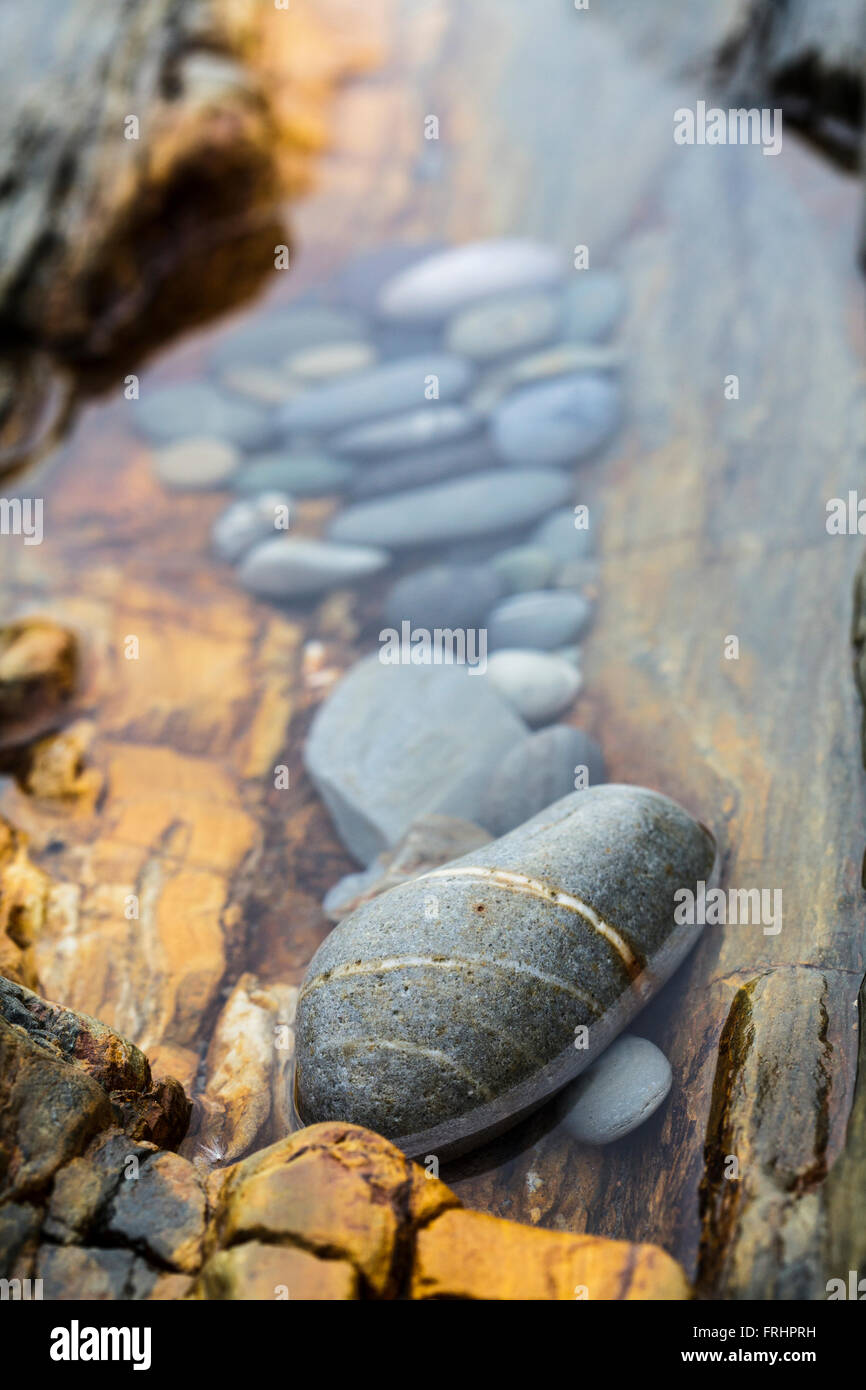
447, 1008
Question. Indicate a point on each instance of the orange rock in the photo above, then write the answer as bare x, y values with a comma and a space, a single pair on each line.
258, 1271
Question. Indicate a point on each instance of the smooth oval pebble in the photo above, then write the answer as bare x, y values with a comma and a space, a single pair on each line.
446, 596
333, 359
174, 413
541, 620
561, 539
435, 288
523, 567
268, 340
475, 506
421, 466
560, 422
196, 464
447, 1009
302, 475
262, 384
538, 685
288, 567
507, 324
563, 359
593, 304
537, 772
618, 1092
416, 429
388, 389
247, 521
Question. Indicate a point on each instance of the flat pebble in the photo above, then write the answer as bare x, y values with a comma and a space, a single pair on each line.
542, 620
618, 1092
538, 772
196, 464
564, 542
441, 285
507, 324
593, 306
447, 596
538, 685
420, 466
392, 743
430, 426
172, 413
262, 384
523, 567
286, 567
388, 389
465, 507
268, 340
301, 474
563, 359
333, 359
248, 521
557, 423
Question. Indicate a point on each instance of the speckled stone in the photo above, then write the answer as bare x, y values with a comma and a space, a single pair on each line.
593, 305
444, 1010
171, 413
416, 429
268, 340
523, 567
478, 505
507, 324
557, 423
538, 685
561, 539
248, 521
618, 1092
442, 284
449, 596
538, 772
541, 620
301, 474
287, 567
389, 389
196, 464
421, 466
333, 359
392, 743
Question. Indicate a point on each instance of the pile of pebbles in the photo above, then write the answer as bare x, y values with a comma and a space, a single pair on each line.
446, 394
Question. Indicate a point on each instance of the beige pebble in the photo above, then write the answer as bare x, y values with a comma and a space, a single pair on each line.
263, 384
197, 463
332, 359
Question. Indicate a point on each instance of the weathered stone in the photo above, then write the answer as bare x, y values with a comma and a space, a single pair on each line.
70, 1273
258, 1271
161, 1210
25, 895
38, 665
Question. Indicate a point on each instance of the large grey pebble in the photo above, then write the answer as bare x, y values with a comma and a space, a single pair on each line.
393, 743
549, 764
435, 288
173, 413
618, 1092
523, 567
541, 620
428, 427
301, 474
287, 567
480, 504
454, 1005
389, 389
593, 306
196, 464
447, 596
561, 539
248, 521
538, 685
421, 466
559, 422
268, 340
506, 324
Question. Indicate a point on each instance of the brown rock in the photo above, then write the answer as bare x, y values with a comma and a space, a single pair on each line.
24, 893
71, 1272
38, 663
162, 1211
257, 1271
467, 1254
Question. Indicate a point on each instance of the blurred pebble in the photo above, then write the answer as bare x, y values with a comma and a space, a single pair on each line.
445, 596
420, 466
618, 1092
441, 285
268, 340
287, 567
173, 413
361, 281
523, 567
302, 475
561, 539
389, 389
557, 423
262, 384
507, 324
196, 464
334, 359
564, 359
247, 521
540, 620
538, 772
428, 427
593, 306
538, 685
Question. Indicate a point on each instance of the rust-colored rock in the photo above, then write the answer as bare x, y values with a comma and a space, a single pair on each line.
24, 893
258, 1271
38, 662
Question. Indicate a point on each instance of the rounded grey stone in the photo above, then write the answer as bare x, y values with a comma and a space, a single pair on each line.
286, 567
317, 364
478, 505
428, 427
523, 567
593, 306
421, 466
561, 539
196, 464
444, 283
539, 771
563, 359
173, 413
538, 685
559, 422
506, 324
301, 474
248, 521
448, 1008
446, 596
618, 1092
541, 620
389, 389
